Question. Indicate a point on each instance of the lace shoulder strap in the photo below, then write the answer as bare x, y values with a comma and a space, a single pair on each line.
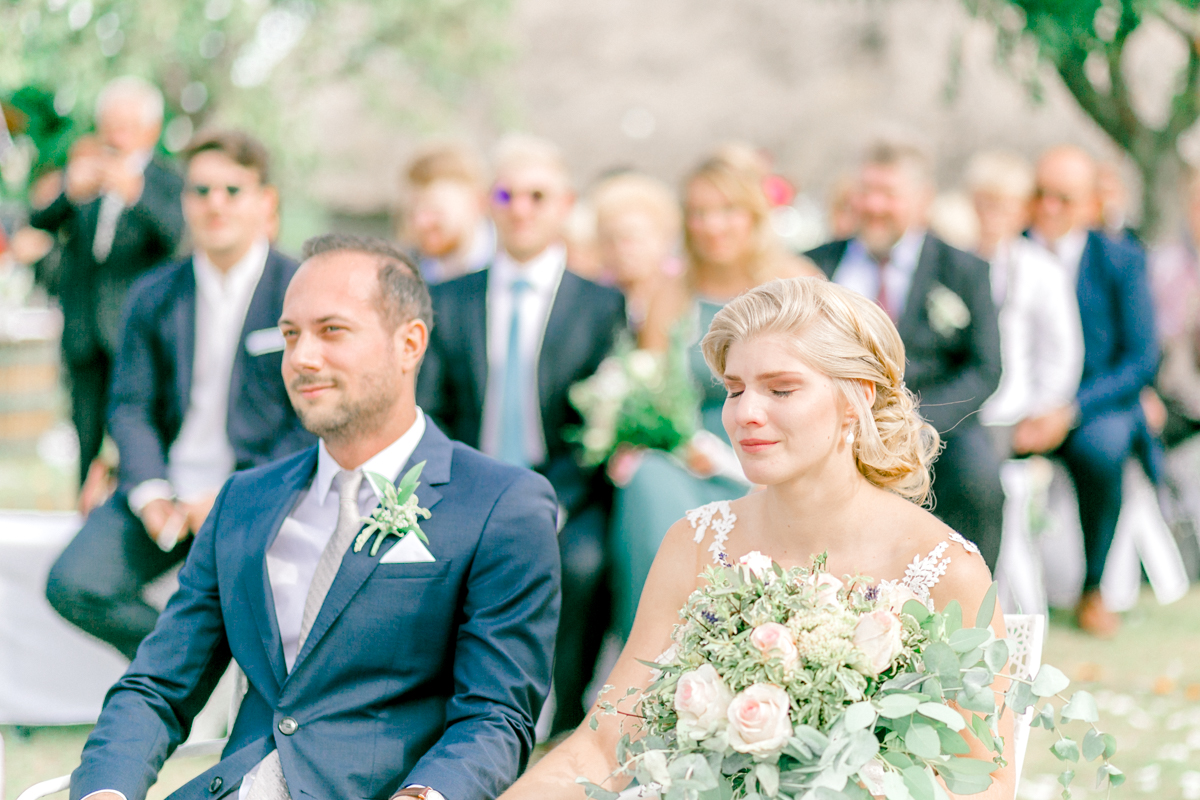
923, 573
718, 516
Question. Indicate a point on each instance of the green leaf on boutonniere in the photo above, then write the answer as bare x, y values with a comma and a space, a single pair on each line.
397, 512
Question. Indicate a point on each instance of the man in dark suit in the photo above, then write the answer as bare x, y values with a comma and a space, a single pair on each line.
119, 215
940, 299
509, 342
196, 394
413, 670
1105, 425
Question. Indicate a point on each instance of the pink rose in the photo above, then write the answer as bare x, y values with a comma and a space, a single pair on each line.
895, 595
877, 635
774, 640
701, 700
760, 720
755, 563
827, 588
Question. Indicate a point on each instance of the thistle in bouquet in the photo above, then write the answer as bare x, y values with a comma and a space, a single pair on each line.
795, 684
635, 398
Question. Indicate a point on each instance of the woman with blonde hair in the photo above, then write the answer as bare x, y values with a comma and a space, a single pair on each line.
819, 416
729, 247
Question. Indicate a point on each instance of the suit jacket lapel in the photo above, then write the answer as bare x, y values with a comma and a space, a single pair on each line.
563, 317
923, 279
261, 313
183, 333
436, 451
474, 324
256, 579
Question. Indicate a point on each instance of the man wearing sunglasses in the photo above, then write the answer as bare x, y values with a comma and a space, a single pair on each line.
197, 393
508, 343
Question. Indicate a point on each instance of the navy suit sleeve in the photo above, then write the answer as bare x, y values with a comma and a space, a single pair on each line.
149, 711
159, 208
947, 402
1138, 361
502, 663
433, 395
135, 393
53, 216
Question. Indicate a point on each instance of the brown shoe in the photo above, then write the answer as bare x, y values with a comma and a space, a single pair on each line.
1094, 618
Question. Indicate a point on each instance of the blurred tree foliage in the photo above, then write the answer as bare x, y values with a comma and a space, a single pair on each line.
229, 60
1085, 42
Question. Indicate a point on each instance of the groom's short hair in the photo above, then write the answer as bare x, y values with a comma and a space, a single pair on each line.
403, 294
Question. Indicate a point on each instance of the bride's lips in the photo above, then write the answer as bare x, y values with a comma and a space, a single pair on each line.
755, 445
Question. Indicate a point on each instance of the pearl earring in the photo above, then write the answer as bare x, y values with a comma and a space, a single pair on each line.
849, 438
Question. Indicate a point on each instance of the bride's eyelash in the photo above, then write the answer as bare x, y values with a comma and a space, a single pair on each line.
732, 393
782, 392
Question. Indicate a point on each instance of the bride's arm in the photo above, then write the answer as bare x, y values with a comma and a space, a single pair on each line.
593, 753
967, 580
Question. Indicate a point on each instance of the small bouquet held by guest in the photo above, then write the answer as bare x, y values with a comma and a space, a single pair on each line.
794, 684
635, 399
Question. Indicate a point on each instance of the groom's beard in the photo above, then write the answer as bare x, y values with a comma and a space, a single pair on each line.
353, 416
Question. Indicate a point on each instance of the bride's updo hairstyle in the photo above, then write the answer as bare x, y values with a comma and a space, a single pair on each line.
848, 338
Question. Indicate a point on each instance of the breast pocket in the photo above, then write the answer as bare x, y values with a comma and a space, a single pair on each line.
418, 569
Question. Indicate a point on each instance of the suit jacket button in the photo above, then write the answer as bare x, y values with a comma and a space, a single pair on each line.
288, 726
215, 786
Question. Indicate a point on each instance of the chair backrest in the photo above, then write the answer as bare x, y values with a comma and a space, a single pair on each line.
1026, 634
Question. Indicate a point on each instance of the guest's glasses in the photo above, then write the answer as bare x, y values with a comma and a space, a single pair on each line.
204, 191
504, 196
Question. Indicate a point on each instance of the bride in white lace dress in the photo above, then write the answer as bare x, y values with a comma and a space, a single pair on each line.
819, 416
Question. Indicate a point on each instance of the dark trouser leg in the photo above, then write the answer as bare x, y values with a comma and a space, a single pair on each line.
1095, 455
97, 582
581, 544
967, 490
89, 401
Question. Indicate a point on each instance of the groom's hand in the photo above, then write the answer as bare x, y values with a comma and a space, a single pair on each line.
197, 510
162, 515
105, 795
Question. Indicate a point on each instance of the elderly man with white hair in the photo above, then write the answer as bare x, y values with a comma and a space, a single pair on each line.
119, 213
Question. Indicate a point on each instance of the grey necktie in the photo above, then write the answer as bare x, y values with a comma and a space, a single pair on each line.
111, 206
269, 783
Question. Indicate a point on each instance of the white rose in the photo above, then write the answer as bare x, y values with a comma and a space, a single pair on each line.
877, 635
701, 700
760, 720
895, 595
827, 588
755, 563
643, 366
775, 640
872, 776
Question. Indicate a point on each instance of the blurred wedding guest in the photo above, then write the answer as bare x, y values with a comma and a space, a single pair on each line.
729, 248
941, 301
119, 214
1112, 204
445, 218
1041, 338
579, 237
1175, 281
1104, 424
197, 393
507, 344
637, 232
843, 211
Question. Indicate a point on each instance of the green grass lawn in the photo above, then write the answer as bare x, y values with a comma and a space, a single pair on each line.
1146, 682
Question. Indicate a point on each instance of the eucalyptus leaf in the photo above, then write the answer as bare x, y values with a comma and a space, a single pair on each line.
941, 660
966, 639
987, 607
894, 787
768, 778
897, 760
996, 655
983, 733
1093, 745
953, 616
1115, 776
903, 681
1049, 681
1066, 777
595, 792
859, 716
1110, 745
1065, 750
898, 705
952, 742
919, 783
916, 609
943, 714
922, 740
967, 775
1020, 697
977, 698
1082, 707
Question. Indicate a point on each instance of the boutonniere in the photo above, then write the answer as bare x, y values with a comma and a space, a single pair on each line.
397, 512
947, 311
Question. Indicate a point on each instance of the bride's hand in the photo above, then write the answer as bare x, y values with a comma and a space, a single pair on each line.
624, 463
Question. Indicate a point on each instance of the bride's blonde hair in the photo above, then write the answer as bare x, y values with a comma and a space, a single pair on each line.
850, 339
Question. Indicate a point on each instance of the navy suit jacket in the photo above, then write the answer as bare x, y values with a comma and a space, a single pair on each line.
582, 327
1120, 351
952, 374
429, 673
152, 379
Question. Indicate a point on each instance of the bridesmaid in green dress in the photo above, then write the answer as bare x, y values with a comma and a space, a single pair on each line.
729, 248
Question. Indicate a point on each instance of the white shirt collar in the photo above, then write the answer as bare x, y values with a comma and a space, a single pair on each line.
904, 254
388, 461
1069, 247
247, 270
543, 271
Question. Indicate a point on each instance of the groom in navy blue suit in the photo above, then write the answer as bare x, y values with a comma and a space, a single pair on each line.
415, 671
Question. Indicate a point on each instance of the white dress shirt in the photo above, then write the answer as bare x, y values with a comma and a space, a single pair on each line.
292, 558
1069, 248
1041, 337
112, 205
201, 457
859, 271
543, 273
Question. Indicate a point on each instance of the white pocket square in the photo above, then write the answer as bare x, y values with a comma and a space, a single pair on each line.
263, 341
408, 550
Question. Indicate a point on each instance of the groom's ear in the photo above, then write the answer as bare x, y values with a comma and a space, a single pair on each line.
411, 339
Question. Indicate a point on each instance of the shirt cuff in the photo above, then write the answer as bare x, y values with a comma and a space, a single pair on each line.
98, 791
148, 491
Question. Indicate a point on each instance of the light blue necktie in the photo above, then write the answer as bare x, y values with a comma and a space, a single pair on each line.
516, 382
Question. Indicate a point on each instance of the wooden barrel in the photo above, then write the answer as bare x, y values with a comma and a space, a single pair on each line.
31, 399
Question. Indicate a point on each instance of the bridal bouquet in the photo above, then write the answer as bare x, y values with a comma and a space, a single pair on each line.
794, 684
635, 398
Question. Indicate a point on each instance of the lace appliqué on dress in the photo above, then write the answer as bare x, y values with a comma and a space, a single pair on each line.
720, 517
923, 573
966, 543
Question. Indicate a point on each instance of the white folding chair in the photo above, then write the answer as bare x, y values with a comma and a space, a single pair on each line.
1026, 634
204, 747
